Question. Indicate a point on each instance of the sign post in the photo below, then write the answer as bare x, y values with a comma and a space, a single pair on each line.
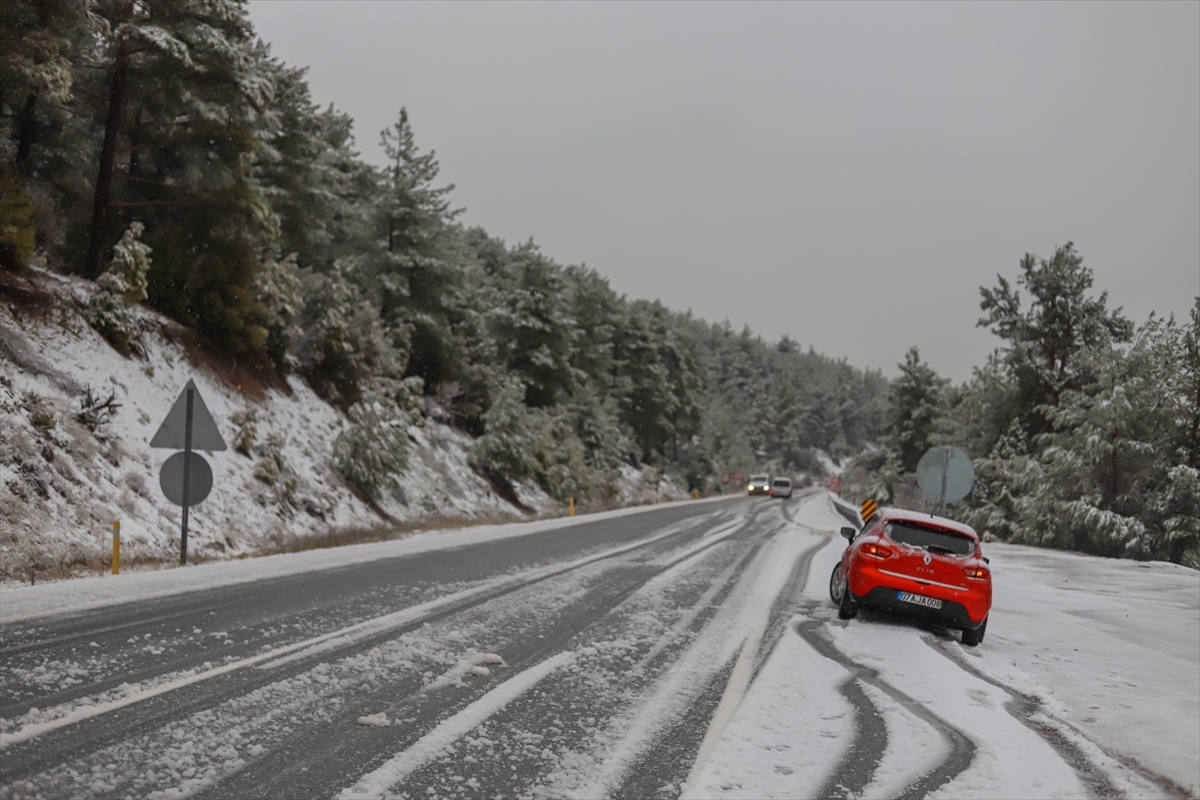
945, 475
186, 478
187, 470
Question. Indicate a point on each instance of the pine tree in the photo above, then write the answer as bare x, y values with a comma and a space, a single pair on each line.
185, 88
1044, 341
916, 401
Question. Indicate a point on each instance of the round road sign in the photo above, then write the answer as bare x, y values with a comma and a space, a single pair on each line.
960, 475
171, 479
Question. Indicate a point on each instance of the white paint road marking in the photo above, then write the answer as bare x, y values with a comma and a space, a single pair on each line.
433, 744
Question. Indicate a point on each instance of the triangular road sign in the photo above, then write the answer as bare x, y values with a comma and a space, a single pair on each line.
205, 435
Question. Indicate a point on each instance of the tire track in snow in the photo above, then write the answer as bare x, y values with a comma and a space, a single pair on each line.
856, 769
678, 752
89, 730
566, 637
1025, 708
567, 717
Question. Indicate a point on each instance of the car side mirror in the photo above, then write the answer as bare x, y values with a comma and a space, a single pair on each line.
987, 560
849, 533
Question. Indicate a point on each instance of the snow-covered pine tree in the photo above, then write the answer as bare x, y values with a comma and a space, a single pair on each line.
917, 398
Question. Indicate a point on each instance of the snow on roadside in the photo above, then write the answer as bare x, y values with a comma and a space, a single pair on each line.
1110, 646
819, 515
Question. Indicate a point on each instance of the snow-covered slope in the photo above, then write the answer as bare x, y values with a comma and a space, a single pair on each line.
62, 485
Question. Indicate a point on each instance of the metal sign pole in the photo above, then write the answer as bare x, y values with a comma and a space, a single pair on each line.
945, 472
187, 475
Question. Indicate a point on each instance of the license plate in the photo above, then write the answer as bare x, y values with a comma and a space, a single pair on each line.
918, 600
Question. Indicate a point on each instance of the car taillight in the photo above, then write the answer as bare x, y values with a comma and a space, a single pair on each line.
977, 573
877, 551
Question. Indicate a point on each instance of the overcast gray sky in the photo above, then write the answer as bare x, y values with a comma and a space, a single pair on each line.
847, 174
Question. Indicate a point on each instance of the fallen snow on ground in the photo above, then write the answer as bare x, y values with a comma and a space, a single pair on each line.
792, 725
1110, 647
62, 485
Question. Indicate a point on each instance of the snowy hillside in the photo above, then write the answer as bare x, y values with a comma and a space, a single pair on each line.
66, 476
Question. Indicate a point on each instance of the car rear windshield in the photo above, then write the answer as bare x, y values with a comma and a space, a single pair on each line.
930, 538
782, 482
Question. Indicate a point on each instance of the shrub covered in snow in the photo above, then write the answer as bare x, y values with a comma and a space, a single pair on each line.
373, 451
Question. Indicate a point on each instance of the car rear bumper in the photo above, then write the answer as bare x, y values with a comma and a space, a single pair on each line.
951, 614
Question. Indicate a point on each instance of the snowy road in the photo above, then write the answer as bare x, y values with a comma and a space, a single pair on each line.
684, 650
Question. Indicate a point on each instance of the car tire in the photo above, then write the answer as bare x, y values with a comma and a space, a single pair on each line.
972, 638
836, 587
847, 608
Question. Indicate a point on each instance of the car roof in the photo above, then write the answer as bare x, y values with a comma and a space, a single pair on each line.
781, 478
905, 515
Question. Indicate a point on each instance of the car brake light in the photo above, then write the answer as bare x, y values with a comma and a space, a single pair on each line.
877, 551
977, 573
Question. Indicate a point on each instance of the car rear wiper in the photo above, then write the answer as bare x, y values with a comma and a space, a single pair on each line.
937, 548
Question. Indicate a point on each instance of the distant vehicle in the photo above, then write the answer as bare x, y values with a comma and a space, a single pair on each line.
921, 566
781, 487
759, 484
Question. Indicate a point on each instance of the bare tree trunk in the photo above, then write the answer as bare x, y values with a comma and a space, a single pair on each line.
27, 127
94, 265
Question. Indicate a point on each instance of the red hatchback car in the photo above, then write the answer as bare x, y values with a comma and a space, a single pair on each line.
925, 567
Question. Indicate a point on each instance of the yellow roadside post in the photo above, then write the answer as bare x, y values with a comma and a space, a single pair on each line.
572, 506
695, 494
116, 547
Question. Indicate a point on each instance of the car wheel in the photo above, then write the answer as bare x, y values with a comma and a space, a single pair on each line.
847, 608
972, 638
836, 587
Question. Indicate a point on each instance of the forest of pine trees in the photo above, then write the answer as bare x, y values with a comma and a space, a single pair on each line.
1084, 429
157, 148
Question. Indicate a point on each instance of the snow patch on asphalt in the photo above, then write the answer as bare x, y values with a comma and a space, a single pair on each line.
375, 784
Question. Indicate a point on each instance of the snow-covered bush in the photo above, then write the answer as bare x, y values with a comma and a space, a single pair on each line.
122, 283
373, 451
271, 461
247, 430
41, 413
277, 287
522, 443
126, 273
512, 442
109, 315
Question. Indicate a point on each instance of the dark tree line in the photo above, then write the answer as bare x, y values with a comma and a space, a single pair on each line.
157, 148
1084, 428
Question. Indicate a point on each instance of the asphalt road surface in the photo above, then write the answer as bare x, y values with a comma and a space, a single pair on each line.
589, 660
